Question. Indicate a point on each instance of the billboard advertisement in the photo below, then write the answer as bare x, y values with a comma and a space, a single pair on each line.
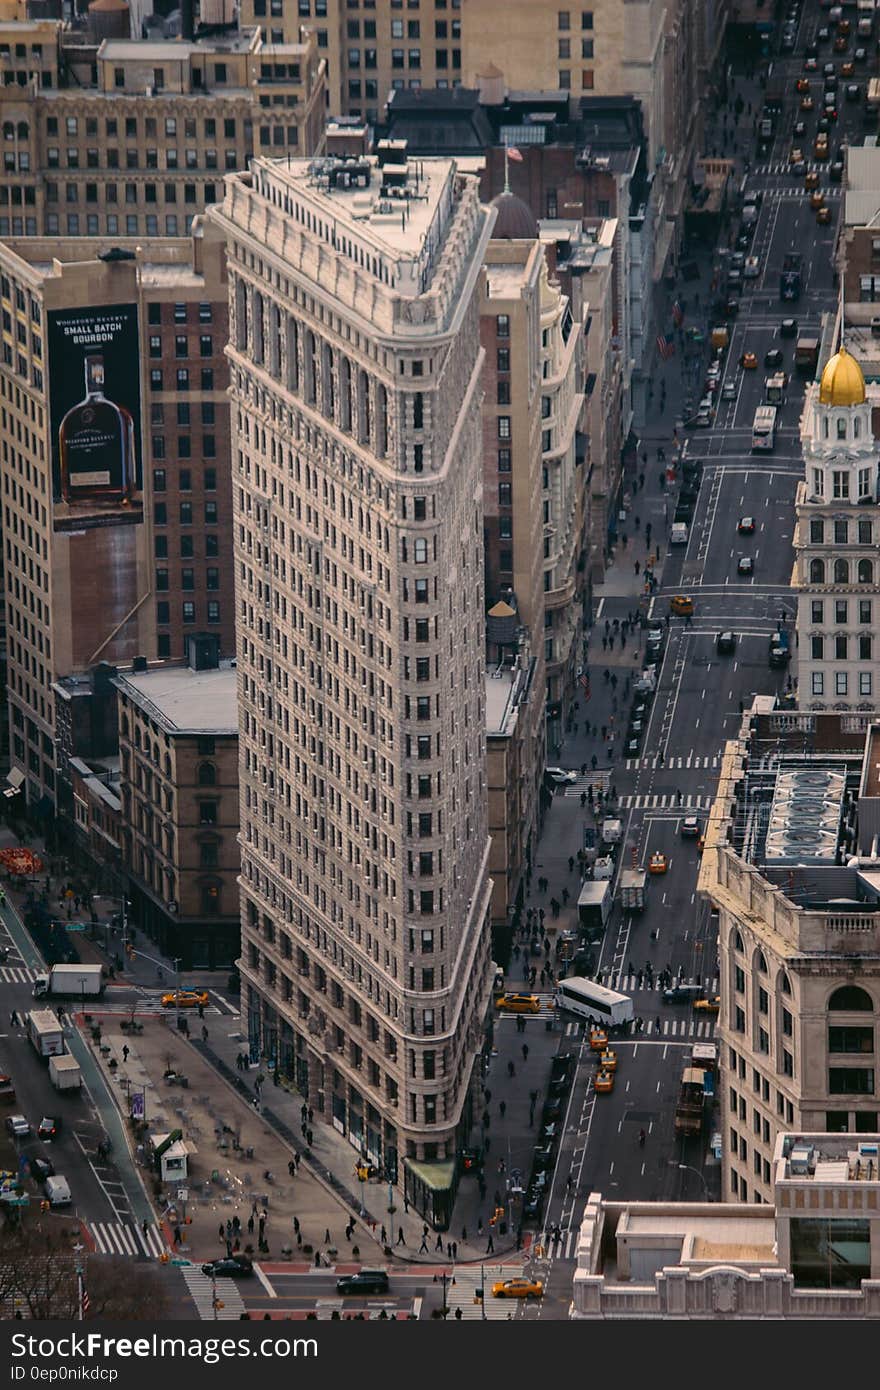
95, 417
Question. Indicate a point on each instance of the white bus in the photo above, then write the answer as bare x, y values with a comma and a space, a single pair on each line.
764, 429
589, 1000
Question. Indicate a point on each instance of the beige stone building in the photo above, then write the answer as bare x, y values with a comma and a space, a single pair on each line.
791, 867
178, 751
356, 387
113, 592
128, 137
814, 1252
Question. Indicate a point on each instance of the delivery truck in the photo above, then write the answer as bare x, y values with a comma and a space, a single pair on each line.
46, 1033
594, 908
64, 1073
633, 889
689, 1109
70, 982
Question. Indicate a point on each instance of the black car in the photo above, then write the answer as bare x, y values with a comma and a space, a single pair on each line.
562, 1065
632, 747
533, 1205
235, 1267
552, 1111
640, 710
773, 357
853, 91
365, 1281
835, 172
744, 241
731, 309
41, 1165
543, 1160
725, 643
788, 328
679, 994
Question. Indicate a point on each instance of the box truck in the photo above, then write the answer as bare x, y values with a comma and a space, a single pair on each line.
70, 982
633, 888
46, 1033
64, 1073
594, 907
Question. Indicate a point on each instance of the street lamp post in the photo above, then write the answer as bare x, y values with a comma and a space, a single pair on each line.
686, 1168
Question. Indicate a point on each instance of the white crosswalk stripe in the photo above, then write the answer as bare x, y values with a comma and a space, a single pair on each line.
202, 1291
120, 1238
562, 1249
17, 974
598, 780
467, 1281
782, 166
691, 760
625, 983
663, 801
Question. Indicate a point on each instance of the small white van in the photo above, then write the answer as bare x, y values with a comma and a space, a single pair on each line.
58, 1191
678, 534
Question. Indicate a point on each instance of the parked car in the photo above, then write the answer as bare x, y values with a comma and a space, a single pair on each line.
364, 1281
18, 1126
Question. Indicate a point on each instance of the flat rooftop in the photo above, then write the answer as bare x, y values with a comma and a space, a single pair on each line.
390, 219
501, 691
174, 50
506, 281
827, 1158
185, 701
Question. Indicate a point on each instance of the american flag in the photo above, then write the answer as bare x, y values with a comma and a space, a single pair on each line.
677, 314
514, 154
665, 345
585, 684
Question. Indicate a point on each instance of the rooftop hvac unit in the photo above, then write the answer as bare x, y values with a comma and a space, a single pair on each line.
801, 1160
869, 1150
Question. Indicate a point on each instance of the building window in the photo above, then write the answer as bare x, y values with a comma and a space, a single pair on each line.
840, 683
865, 682
564, 19
817, 648
502, 327
851, 1081
503, 426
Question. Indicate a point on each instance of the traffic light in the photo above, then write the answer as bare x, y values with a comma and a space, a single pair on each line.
363, 1172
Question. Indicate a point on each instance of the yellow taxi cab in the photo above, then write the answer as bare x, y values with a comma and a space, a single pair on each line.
184, 999
608, 1060
748, 361
604, 1082
802, 84
518, 1288
518, 1003
823, 216
707, 1006
658, 863
848, 68
806, 103
820, 149
812, 180
817, 198
598, 1040
681, 605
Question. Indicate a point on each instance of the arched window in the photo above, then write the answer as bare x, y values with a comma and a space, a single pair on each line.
841, 571
167, 765
137, 737
841, 427
866, 572
817, 571
762, 963
784, 986
850, 999
207, 775
737, 941
123, 724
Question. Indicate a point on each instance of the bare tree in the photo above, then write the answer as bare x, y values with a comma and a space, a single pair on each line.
38, 1276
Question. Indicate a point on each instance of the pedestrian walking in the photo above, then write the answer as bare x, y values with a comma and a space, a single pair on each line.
490, 1245
145, 1225
178, 1237
423, 1248
511, 1069
401, 1238
439, 1244
525, 1052
571, 863
204, 1033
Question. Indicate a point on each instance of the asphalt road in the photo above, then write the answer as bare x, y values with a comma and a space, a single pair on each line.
697, 704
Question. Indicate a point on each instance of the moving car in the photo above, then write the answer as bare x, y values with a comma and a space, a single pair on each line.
518, 1003
802, 84
518, 1288
853, 91
48, 1128
773, 357
823, 216
7, 1089
18, 1126
728, 391
680, 994
725, 643
598, 1040
604, 1082
682, 606
836, 171
658, 863
233, 1267
746, 525
745, 565
608, 1060
817, 198
41, 1165
184, 999
748, 361
364, 1282
806, 103
708, 1006
560, 775
690, 827
796, 155
752, 268
811, 180
58, 1190
788, 328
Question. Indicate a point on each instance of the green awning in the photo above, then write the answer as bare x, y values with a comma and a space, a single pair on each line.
437, 1177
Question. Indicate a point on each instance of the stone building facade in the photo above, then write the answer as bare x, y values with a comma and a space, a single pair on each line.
356, 388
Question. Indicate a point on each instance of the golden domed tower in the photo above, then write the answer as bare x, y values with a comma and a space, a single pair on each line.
836, 540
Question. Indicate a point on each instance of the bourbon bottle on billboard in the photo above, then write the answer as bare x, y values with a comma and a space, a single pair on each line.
96, 445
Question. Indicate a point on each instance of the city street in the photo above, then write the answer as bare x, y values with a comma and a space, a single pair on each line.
698, 702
